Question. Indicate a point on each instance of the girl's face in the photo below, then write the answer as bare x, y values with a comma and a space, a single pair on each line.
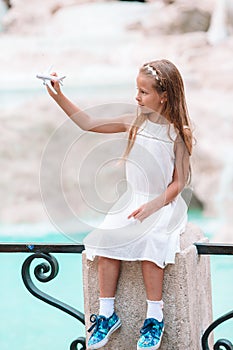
147, 97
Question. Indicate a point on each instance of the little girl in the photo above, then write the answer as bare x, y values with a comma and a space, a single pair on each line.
149, 227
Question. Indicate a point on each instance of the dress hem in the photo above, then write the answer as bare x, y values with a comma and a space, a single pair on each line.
136, 259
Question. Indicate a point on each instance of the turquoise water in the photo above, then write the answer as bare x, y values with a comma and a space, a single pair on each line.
221, 277
28, 323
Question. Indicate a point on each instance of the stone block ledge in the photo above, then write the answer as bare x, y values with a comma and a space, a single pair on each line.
186, 293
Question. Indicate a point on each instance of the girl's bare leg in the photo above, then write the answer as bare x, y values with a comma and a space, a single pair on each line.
153, 280
108, 274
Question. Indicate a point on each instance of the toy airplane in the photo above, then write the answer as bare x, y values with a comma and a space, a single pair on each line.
47, 78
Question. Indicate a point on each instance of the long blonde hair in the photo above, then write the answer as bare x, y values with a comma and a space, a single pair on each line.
167, 79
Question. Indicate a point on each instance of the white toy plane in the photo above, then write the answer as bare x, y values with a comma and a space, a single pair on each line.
47, 78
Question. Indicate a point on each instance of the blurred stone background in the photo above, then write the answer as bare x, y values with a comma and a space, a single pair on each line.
99, 46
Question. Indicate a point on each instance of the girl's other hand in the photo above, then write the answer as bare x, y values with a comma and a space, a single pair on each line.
142, 213
55, 85
145, 210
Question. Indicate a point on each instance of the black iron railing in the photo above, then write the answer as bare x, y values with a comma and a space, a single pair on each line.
45, 272
216, 249
48, 270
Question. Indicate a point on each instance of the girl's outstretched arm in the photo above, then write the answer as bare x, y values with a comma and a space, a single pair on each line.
180, 176
83, 120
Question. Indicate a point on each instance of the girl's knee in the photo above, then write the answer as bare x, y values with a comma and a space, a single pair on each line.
105, 260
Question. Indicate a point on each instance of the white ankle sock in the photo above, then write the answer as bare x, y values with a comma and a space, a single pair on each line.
106, 306
155, 310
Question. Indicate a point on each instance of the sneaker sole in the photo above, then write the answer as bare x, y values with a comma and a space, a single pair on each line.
156, 347
105, 340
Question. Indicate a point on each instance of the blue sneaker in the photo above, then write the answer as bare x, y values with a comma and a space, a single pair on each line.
151, 334
103, 328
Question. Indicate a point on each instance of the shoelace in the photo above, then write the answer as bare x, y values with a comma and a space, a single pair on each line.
153, 328
96, 320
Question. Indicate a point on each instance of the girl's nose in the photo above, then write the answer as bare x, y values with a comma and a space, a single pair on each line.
137, 98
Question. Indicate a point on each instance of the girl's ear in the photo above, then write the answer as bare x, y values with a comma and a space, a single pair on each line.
164, 96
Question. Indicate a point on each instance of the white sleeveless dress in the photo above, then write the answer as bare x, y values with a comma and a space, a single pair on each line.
149, 171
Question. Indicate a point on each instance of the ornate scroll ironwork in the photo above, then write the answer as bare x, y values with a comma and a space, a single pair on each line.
74, 345
216, 249
45, 272
221, 342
